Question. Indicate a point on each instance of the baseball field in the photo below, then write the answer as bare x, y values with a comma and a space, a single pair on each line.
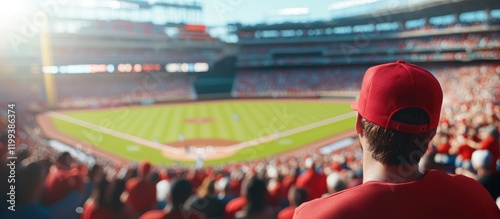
216, 132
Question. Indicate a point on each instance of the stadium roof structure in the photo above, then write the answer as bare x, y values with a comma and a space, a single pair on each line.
417, 11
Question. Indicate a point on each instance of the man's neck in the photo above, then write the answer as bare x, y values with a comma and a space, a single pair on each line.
378, 172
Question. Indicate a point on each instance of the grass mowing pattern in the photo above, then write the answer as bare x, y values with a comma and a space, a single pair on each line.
165, 123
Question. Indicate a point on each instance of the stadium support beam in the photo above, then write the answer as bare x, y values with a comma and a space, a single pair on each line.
46, 50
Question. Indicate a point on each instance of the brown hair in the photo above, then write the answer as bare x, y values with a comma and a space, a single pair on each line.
392, 147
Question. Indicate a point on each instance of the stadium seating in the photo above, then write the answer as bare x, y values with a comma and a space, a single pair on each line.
296, 82
75, 91
449, 47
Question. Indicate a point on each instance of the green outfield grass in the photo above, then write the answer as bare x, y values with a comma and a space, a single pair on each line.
165, 123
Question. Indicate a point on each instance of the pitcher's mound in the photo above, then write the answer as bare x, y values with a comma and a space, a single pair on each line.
199, 120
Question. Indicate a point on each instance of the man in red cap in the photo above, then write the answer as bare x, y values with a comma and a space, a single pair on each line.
398, 114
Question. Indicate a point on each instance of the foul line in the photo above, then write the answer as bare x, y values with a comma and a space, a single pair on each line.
230, 148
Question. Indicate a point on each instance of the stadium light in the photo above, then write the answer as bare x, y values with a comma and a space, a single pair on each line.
349, 4
50, 69
111, 68
293, 11
101, 4
137, 68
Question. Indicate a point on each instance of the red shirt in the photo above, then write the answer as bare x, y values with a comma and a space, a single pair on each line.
89, 212
288, 181
443, 148
286, 213
59, 183
465, 151
141, 195
161, 214
436, 195
234, 206
313, 182
491, 144
275, 195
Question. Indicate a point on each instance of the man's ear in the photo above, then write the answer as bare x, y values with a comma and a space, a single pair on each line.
359, 125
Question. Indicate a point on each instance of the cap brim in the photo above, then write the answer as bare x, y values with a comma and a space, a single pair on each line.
354, 105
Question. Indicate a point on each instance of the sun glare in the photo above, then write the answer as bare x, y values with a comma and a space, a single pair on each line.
14, 12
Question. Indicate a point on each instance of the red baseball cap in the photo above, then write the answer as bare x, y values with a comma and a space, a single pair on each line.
391, 87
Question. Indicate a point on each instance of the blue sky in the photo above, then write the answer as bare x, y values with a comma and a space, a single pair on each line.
254, 11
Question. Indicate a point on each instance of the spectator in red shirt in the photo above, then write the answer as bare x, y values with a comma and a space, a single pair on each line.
289, 180
296, 197
274, 186
464, 154
398, 113
313, 182
140, 192
234, 206
180, 191
61, 180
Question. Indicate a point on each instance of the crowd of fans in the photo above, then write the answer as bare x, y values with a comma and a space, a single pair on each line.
452, 47
466, 40
98, 90
462, 82
306, 82
106, 90
423, 28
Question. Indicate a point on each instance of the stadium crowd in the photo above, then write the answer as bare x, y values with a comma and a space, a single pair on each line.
452, 41
458, 81
296, 82
108, 90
